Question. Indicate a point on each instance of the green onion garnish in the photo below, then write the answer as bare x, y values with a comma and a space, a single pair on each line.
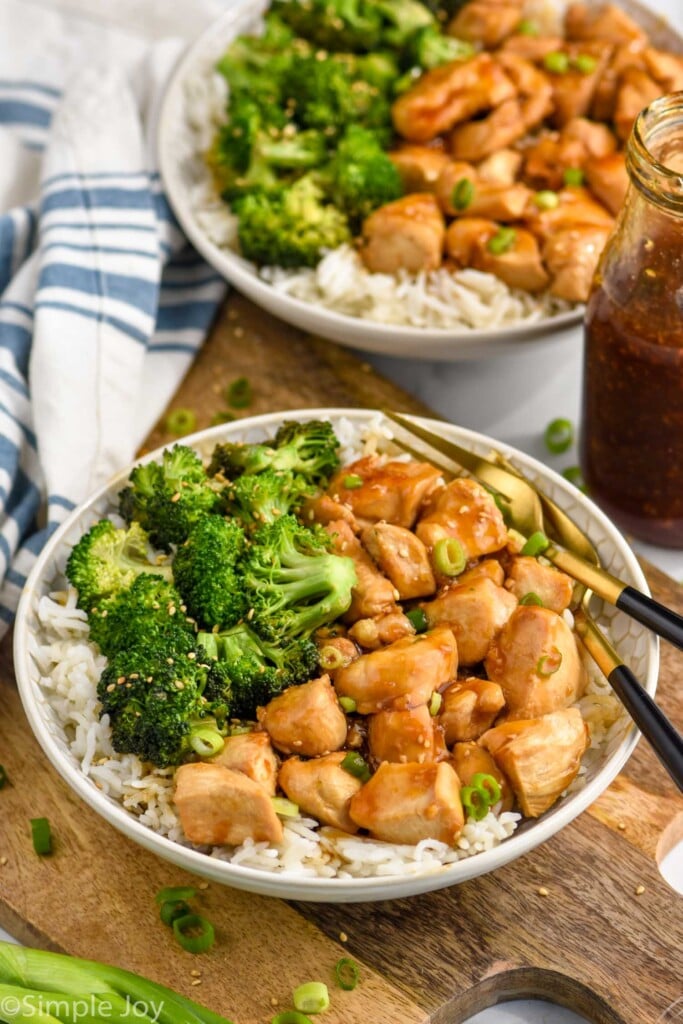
352, 482
556, 62
173, 893
527, 27
330, 657
171, 910
356, 765
435, 704
548, 664
531, 598
291, 1017
585, 63
449, 556
546, 199
239, 395
463, 194
194, 933
482, 780
502, 241
475, 802
4, 778
286, 808
418, 619
536, 544
206, 742
574, 475
181, 421
559, 436
223, 416
347, 973
573, 176
42, 836
311, 997
348, 704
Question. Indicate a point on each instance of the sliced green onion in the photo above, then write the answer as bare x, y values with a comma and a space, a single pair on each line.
194, 933
548, 664
574, 475
286, 808
291, 1017
174, 893
475, 802
449, 556
556, 62
171, 910
311, 997
482, 780
502, 241
352, 482
435, 703
330, 657
559, 436
4, 778
536, 544
348, 704
41, 835
347, 973
418, 619
585, 63
527, 27
223, 416
463, 194
573, 176
206, 742
181, 421
546, 199
531, 598
239, 395
356, 765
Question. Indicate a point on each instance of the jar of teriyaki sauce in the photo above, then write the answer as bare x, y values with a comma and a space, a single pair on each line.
632, 430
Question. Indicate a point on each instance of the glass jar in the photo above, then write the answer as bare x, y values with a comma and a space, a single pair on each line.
632, 428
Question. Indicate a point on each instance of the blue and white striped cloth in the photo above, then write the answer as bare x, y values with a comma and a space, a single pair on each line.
103, 304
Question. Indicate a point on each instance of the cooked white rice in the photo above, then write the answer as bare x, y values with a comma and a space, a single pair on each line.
70, 666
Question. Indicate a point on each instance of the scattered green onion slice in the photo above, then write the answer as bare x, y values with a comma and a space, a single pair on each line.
573, 176
347, 973
4, 778
527, 27
222, 416
546, 199
418, 619
311, 997
348, 704
286, 808
435, 703
463, 194
330, 658
171, 910
536, 544
181, 421
585, 63
556, 62
194, 933
475, 802
559, 436
449, 556
574, 475
548, 664
482, 780
206, 742
291, 1017
174, 893
531, 598
356, 765
352, 482
502, 241
41, 835
239, 395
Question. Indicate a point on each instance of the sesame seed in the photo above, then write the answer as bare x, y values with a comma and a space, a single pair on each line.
203, 885
622, 826
195, 973
179, 684
239, 332
176, 496
169, 661
3, 861
111, 687
134, 675
273, 1001
640, 890
121, 679
250, 615
542, 891
191, 655
343, 937
171, 609
196, 981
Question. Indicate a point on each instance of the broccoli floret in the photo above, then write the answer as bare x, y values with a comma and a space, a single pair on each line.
362, 175
308, 449
402, 19
106, 561
379, 69
261, 497
204, 572
153, 696
331, 93
333, 24
150, 608
168, 497
246, 672
429, 48
292, 228
255, 65
294, 584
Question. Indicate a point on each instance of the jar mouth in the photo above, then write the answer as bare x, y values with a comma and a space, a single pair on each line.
654, 154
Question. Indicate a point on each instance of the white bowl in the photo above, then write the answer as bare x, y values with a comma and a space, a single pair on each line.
637, 646
182, 169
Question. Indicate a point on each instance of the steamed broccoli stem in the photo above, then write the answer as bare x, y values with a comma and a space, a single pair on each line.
429, 48
141, 614
107, 560
309, 450
362, 175
204, 570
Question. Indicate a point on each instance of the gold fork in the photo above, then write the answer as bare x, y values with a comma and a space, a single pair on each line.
532, 511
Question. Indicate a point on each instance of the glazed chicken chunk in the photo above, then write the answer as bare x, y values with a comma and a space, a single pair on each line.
470, 759
475, 611
540, 756
419, 166
305, 719
252, 754
527, 575
378, 489
219, 806
405, 803
406, 234
465, 510
487, 23
402, 557
403, 736
469, 708
373, 594
321, 788
572, 256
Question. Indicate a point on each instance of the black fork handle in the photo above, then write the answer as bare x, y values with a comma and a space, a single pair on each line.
661, 620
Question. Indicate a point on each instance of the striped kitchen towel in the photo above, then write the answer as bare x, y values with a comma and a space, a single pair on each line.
103, 304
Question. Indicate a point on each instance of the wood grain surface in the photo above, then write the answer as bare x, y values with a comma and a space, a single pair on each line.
595, 942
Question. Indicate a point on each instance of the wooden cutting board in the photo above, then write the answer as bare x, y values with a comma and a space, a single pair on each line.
585, 920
